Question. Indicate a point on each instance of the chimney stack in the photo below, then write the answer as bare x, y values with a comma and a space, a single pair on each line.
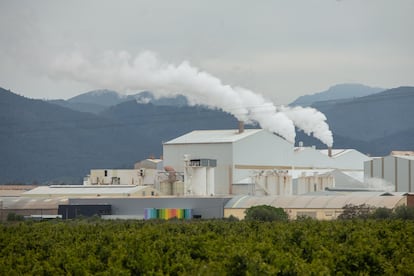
330, 151
241, 126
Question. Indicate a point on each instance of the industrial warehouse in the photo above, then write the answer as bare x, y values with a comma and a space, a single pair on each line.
221, 173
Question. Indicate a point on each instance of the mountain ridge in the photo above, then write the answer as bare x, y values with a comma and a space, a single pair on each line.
47, 143
337, 92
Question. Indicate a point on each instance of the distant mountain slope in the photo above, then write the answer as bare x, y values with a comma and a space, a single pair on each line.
336, 92
162, 123
372, 117
403, 140
98, 100
44, 142
102, 97
82, 107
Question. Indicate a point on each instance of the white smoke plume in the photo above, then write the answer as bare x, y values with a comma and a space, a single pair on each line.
311, 121
122, 72
379, 184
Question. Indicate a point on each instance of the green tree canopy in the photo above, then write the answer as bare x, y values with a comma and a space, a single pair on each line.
266, 213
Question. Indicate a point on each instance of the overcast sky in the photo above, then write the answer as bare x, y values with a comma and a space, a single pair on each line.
281, 49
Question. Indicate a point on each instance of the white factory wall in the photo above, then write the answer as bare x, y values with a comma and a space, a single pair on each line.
259, 151
262, 148
121, 177
388, 169
351, 160
404, 166
114, 177
222, 152
399, 171
311, 158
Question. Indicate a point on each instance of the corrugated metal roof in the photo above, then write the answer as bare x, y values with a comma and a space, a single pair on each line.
315, 202
212, 136
32, 203
84, 190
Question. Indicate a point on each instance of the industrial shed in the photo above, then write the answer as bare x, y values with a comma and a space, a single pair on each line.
347, 159
241, 154
321, 207
236, 153
396, 171
134, 208
30, 206
91, 191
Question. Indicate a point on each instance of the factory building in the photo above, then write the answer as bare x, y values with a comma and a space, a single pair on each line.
91, 191
255, 161
144, 173
395, 171
321, 207
30, 207
134, 208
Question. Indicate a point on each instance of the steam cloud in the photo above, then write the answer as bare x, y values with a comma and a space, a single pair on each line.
121, 72
379, 184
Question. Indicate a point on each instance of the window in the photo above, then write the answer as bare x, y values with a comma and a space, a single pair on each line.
106, 172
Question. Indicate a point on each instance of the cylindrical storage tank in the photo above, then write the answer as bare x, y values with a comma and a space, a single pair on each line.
178, 188
199, 181
166, 188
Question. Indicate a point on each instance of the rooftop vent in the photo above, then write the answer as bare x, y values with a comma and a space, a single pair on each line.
241, 126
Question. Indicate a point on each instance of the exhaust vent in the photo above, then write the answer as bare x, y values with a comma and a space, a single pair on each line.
241, 126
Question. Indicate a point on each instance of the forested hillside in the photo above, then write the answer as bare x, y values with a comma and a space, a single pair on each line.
45, 143
42, 142
371, 117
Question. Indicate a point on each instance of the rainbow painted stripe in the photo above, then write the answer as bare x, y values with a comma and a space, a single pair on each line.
167, 213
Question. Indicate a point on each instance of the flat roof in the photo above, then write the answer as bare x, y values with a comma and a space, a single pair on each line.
84, 190
213, 136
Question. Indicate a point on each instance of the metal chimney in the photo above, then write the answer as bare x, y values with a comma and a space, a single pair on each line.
330, 151
241, 126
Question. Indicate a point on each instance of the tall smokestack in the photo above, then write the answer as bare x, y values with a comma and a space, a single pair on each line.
330, 151
241, 126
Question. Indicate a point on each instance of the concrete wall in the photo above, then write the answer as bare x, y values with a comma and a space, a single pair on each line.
207, 207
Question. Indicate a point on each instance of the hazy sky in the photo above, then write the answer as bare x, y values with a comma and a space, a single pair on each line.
281, 49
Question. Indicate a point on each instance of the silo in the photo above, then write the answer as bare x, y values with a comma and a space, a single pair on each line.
178, 188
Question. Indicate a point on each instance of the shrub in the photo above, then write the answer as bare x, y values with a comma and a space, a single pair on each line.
266, 213
382, 213
14, 217
351, 211
404, 212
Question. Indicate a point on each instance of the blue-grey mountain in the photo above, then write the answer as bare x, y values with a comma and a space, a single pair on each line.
337, 92
47, 143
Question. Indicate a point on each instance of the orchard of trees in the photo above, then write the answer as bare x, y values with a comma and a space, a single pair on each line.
208, 247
